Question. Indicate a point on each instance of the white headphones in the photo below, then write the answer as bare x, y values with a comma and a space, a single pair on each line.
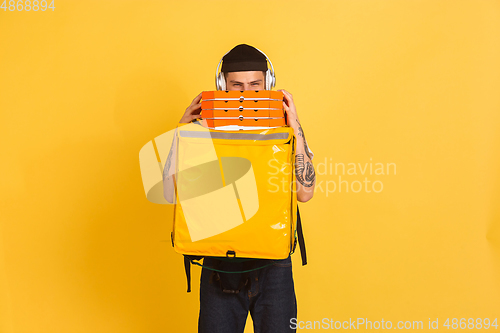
220, 80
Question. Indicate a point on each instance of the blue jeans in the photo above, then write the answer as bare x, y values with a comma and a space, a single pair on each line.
269, 295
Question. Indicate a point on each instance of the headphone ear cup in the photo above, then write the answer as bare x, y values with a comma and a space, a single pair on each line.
269, 80
221, 82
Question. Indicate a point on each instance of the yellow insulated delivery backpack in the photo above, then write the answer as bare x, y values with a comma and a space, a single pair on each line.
235, 195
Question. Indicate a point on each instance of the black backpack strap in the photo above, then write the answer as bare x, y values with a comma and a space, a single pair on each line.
187, 267
302, 244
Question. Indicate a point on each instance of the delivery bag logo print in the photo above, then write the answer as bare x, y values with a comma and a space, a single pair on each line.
214, 193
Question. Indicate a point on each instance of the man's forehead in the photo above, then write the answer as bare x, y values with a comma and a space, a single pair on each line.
255, 75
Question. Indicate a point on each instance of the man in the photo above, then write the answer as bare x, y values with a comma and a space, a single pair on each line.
268, 293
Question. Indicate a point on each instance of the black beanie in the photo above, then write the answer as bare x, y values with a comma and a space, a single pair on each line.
242, 58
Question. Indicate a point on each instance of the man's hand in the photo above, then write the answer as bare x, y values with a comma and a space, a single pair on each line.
291, 112
193, 111
304, 169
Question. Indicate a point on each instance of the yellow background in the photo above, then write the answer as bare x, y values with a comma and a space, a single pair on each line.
84, 87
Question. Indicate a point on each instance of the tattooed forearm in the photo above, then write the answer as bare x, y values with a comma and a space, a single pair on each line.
310, 173
301, 133
306, 180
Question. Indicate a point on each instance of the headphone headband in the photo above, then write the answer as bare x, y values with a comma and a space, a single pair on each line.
220, 81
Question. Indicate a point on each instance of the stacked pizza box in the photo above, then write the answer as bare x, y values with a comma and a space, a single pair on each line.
248, 108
